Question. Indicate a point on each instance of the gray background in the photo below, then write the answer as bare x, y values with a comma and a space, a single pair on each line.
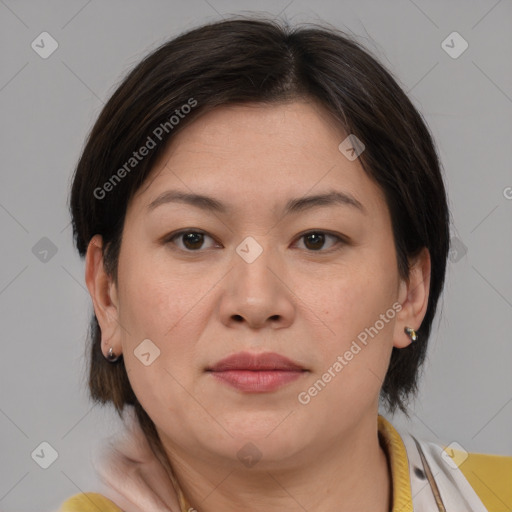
48, 106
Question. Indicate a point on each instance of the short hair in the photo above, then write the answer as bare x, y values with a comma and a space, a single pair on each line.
255, 60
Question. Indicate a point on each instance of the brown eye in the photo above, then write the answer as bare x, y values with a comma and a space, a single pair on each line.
191, 241
315, 240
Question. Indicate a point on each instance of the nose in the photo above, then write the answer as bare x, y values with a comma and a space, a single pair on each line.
258, 294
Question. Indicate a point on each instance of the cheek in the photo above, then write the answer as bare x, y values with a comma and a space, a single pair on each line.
169, 306
157, 299
356, 308
352, 298
159, 307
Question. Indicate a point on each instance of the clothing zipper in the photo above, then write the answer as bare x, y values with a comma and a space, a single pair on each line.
430, 477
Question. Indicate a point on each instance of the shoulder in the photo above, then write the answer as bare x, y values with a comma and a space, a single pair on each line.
88, 502
479, 479
490, 476
485, 475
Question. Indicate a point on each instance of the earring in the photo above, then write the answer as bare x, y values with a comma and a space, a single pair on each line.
411, 333
111, 357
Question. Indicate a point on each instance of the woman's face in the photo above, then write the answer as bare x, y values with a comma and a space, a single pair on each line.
200, 280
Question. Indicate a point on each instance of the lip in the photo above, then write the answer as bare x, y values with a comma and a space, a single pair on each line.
248, 361
256, 373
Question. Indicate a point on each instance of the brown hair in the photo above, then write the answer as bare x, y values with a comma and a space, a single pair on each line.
257, 60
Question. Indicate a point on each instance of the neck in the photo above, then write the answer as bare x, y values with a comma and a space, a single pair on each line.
348, 474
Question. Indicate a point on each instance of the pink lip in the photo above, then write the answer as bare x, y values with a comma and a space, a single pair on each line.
256, 373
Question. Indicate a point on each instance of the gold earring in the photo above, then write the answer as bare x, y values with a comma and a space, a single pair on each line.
411, 333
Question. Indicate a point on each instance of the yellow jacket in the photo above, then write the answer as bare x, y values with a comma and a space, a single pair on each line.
425, 478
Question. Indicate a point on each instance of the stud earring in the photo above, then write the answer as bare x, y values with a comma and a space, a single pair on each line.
111, 357
411, 333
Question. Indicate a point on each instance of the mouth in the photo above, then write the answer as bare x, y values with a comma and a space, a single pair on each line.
256, 373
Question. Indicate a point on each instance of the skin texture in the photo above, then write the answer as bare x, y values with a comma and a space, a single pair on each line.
199, 302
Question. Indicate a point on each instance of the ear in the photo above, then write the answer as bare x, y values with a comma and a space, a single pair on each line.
413, 297
104, 296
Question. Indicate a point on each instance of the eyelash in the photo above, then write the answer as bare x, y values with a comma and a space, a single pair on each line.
340, 240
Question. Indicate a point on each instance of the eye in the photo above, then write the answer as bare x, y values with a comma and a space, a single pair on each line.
191, 240
315, 240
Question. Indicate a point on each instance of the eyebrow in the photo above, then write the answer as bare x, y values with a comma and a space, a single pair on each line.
210, 204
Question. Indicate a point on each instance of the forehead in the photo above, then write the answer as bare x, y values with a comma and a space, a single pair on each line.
262, 154
299, 127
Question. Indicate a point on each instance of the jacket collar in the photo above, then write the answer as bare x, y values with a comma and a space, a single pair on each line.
396, 453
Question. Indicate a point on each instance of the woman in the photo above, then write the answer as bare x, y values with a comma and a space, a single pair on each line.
265, 228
